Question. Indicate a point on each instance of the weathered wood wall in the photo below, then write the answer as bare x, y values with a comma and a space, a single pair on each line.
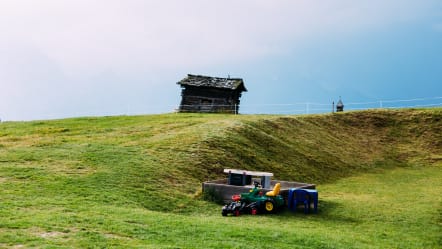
201, 99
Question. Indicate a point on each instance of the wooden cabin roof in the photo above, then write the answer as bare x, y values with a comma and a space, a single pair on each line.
214, 82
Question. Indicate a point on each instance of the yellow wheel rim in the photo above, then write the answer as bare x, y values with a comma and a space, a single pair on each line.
269, 206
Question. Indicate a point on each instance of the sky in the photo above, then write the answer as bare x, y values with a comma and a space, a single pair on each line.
70, 58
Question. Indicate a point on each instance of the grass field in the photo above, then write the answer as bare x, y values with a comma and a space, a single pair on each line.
134, 182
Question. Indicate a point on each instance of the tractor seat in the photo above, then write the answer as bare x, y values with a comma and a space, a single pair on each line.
275, 190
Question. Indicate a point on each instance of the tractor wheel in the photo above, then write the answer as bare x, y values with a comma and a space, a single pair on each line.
269, 206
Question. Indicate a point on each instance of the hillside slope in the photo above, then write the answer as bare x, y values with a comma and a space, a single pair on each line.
159, 161
321, 148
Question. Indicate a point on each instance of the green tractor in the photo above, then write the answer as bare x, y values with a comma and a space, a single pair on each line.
255, 202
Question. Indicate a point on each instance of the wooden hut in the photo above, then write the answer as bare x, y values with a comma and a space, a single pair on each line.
210, 94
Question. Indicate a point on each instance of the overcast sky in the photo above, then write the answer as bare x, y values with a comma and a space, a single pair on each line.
68, 58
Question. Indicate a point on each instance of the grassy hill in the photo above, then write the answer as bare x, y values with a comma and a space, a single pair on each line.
134, 181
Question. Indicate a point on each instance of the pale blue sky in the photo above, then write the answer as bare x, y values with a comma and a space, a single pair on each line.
61, 58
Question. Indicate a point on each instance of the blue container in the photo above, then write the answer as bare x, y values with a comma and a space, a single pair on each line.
297, 196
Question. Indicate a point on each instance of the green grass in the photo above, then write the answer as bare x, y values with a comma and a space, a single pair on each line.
134, 182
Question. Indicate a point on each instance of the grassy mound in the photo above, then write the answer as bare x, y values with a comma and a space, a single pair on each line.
64, 181
323, 148
166, 157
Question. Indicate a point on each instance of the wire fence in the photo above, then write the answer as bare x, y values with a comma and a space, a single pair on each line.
314, 107
245, 108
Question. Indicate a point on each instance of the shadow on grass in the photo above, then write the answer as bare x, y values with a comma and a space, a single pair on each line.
327, 211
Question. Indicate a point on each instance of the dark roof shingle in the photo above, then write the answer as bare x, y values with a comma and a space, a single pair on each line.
215, 82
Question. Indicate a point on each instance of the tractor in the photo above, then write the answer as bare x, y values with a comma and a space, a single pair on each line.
255, 202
